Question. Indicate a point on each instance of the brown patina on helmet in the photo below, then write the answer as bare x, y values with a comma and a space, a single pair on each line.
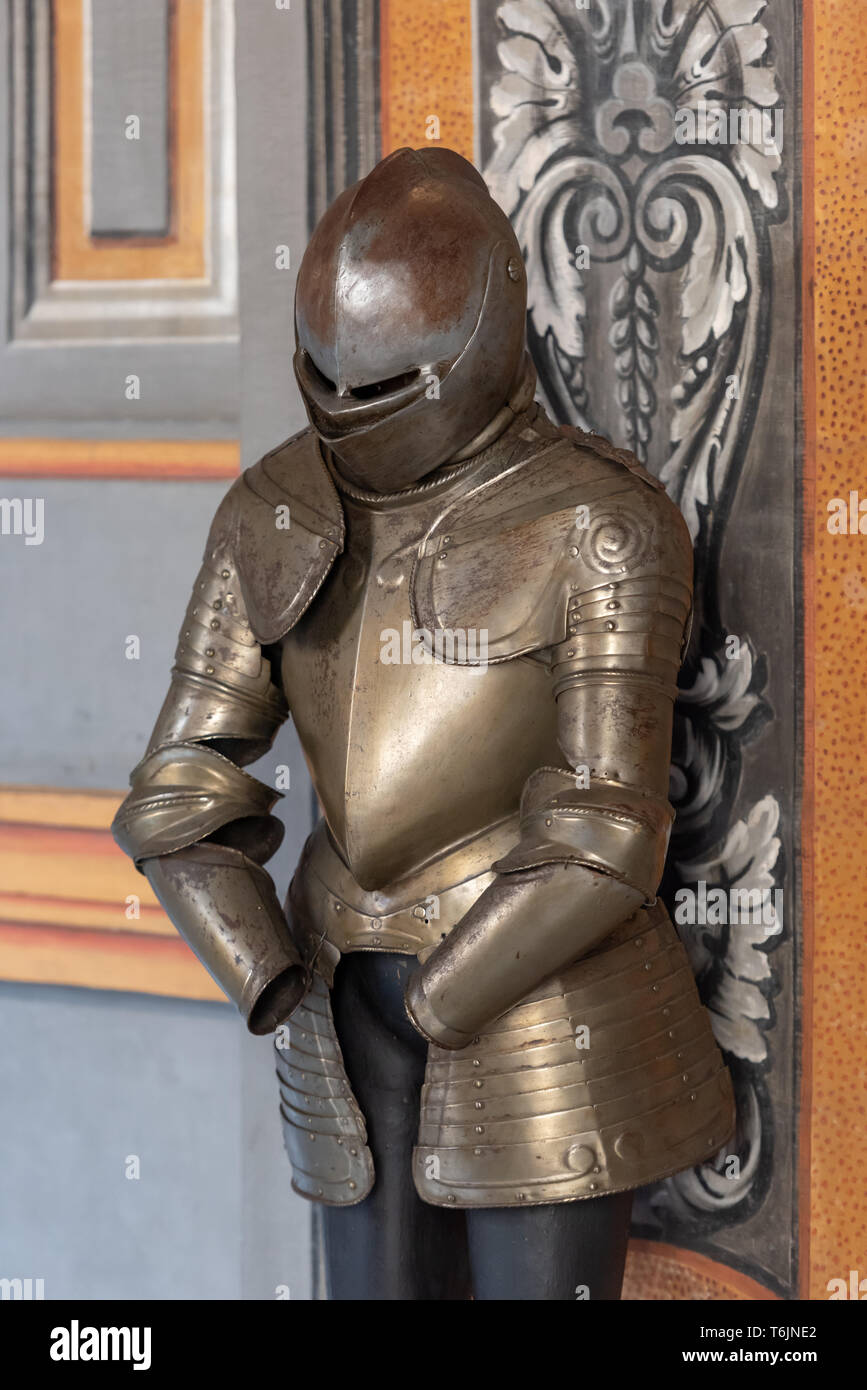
409, 318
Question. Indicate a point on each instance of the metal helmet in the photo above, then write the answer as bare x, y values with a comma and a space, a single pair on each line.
410, 317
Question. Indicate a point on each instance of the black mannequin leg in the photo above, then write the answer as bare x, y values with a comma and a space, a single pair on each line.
392, 1245
568, 1251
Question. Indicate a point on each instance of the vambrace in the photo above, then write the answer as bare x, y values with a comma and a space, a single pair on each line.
194, 822
594, 833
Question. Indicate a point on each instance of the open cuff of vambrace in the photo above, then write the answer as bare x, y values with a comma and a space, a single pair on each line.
616, 829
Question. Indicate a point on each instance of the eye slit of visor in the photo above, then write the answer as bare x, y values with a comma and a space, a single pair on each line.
321, 377
382, 388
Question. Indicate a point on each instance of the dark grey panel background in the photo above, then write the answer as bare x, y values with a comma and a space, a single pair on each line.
89, 1077
753, 576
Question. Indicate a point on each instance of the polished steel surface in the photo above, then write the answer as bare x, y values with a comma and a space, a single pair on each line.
409, 757
605, 1078
323, 1128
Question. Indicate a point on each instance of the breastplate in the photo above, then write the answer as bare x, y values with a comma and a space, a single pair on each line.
410, 756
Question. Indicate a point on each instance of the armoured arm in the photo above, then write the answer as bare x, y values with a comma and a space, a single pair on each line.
594, 831
197, 825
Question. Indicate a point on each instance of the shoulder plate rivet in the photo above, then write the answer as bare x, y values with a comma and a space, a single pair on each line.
354, 1153
573, 550
613, 604
692, 1095
639, 940
478, 1151
450, 1197
611, 627
225, 574
480, 1129
322, 545
513, 268
352, 1186
648, 965
476, 1062
478, 1084
209, 651
209, 670
479, 1104
215, 625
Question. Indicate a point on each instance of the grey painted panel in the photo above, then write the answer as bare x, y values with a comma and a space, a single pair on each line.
130, 78
118, 559
271, 212
86, 1080
188, 390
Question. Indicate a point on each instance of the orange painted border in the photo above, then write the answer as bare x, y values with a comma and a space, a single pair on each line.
204, 459
181, 254
644, 1255
836, 377
65, 889
127, 961
808, 599
426, 69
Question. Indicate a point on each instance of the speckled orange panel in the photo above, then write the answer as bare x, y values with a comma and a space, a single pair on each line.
426, 66
660, 1273
837, 1211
